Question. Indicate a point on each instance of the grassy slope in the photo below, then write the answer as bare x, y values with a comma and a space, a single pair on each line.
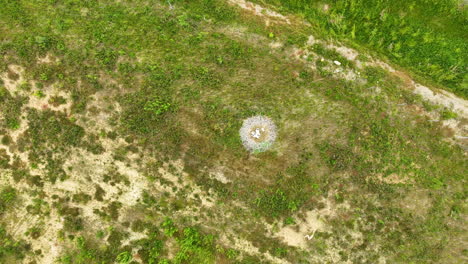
184, 81
427, 37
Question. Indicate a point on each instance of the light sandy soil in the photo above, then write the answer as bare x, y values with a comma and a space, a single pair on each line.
395, 179
258, 10
418, 203
218, 174
48, 59
308, 223
304, 231
444, 98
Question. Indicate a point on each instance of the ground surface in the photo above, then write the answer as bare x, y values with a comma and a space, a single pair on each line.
119, 129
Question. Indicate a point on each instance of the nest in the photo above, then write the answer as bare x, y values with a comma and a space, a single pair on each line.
258, 133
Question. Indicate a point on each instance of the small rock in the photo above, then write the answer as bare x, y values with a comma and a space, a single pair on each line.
337, 63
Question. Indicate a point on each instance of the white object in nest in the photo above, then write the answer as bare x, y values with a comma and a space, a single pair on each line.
337, 63
256, 133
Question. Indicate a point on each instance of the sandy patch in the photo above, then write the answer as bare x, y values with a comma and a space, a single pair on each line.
395, 179
303, 232
444, 98
261, 11
47, 59
416, 202
218, 174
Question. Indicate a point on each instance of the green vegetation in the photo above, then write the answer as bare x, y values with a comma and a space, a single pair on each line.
275, 202
10, 108
143, 114
7, 197
10, 248
428, 37
57, 100
156, 106
143, 162
124, 257
194, 247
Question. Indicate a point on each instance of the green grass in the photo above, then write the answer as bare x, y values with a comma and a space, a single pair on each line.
427, 37
7, 197
10, 108
10, 248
